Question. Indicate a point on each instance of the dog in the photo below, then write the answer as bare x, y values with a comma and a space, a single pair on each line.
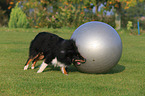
53, 50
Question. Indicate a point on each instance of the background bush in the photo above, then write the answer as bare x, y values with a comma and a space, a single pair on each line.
18, 18
72, 13
38, 16
59, 14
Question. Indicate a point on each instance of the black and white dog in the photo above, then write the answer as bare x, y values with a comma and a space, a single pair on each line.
55, 50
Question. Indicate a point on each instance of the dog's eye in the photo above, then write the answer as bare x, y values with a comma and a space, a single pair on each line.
62, 51
70, 51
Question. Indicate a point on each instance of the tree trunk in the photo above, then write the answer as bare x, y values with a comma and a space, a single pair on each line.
118, 12
97, 6
117, 20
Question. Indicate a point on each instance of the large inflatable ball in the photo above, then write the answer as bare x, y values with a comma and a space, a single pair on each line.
100, 44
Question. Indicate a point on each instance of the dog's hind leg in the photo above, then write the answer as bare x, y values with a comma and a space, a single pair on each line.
40, 57
34, 63
29, 60
63, 70
27, 63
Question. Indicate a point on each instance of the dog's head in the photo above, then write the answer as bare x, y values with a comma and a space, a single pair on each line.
78, 60
74, 54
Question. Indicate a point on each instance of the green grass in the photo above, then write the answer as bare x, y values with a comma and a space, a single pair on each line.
125, 79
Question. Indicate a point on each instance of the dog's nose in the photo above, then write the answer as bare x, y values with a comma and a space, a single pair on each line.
83, 61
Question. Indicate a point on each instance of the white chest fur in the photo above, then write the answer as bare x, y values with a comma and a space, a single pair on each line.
57, 63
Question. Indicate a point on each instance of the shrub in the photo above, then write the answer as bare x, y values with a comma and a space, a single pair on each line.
142, 24
22, 22
18, 18
38, 16
3, 18
62, 13
69, 14
129, 25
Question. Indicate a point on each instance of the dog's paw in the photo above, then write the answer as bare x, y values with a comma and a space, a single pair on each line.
39, 71
63, 70
32, 67
42, 67
26, 67
66, 74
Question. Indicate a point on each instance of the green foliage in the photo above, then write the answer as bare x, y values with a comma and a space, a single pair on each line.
68, 13
22, 22
129, 25
72, 14
18, 18
134, 14
59, 13
38, 15
142, 24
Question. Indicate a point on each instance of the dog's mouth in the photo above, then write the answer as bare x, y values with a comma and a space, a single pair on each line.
79, 62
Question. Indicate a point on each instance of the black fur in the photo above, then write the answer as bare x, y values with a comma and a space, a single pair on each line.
49, 46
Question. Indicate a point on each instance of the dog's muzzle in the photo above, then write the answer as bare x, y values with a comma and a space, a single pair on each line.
79, 62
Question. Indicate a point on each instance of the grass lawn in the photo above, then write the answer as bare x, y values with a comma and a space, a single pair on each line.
127, 78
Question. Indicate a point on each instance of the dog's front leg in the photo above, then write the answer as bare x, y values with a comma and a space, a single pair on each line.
54, 62
63, 70
42, 67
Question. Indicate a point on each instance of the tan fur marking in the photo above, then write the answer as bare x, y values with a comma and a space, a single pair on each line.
63, 70
29, 61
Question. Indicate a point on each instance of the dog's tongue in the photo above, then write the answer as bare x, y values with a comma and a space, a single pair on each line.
78, 63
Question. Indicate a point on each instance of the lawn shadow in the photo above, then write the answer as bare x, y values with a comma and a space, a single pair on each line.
51, 68
116, 69
71, 68
38, 66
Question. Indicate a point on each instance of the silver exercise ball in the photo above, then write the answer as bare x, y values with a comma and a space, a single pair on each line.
100, 44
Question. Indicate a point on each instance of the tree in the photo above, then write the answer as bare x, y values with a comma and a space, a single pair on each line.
4, 4
120, 5
136, 13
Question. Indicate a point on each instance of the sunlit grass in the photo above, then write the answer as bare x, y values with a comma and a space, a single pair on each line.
125, 79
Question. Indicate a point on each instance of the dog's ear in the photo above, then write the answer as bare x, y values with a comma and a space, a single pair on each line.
73, 42
70, 51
